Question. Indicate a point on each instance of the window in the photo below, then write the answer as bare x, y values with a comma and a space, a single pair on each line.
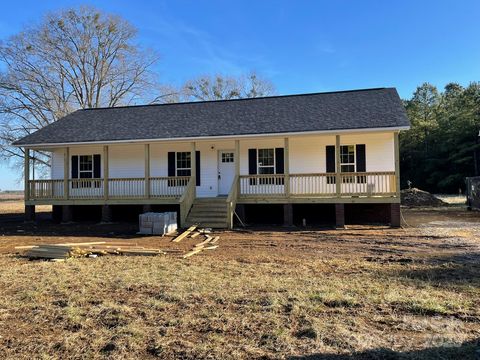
184, 164
85, 167
347, 162
228, 157
266, 161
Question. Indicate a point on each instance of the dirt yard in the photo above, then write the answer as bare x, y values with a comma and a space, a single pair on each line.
364, 292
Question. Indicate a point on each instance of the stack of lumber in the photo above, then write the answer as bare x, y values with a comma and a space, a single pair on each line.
65, 251
157, 223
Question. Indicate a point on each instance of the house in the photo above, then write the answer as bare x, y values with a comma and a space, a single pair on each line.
331, 155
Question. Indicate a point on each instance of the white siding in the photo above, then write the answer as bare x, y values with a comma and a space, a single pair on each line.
307, 155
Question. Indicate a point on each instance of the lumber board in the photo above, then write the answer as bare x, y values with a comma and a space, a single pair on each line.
193, 252
185, 233
26, 247
215, 240
213, 247
204, 242
195, 234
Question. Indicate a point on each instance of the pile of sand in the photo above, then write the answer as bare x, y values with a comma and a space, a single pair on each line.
417, 197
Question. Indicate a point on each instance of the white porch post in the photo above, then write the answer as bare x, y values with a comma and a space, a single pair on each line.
287, 167
193, 165
337, 166
66, 162
147, 171
396, 145
26, 172
105, 172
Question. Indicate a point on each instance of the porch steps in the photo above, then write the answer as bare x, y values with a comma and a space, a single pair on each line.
209, 212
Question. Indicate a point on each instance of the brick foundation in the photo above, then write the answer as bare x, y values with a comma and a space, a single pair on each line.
395, 217
340, 216
29, 212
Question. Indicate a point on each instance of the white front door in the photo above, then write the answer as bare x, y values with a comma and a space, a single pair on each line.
226, 170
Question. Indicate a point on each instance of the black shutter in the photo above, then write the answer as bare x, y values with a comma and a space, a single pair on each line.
279, 165
330, 152
171, 163
361, 159
252, 164
361, 162
279, 161
171, 167
96, 166
197, 167
75, 167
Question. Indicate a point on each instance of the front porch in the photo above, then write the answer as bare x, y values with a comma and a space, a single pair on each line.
241, 177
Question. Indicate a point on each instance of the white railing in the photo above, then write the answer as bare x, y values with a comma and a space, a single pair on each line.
118, 188
85, 188
367, 184
161, 187
46, 189
313, 184
264, 185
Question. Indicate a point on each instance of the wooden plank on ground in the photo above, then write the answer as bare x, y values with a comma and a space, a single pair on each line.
209, 238
185, 233
193, 252
195, 234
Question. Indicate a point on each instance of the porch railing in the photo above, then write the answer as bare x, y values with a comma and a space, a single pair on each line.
365, 184
118, 188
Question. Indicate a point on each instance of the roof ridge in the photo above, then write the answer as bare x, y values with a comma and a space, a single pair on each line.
242, 99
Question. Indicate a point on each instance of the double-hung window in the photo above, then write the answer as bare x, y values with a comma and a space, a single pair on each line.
266, 161
347, 162
85, 167
184, 163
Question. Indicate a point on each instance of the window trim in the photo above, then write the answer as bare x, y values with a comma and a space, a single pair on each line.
80, 171
182, 168
274, 165
354, 163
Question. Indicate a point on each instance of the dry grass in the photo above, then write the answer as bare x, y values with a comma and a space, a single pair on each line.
359, 293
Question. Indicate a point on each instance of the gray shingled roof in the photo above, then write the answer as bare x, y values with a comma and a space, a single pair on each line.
357, 109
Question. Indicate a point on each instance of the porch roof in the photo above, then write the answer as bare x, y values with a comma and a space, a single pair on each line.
329, 111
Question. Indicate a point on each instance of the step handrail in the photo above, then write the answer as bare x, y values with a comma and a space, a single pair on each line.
232, 201
186, 200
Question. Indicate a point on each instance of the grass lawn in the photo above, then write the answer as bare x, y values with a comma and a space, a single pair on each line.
369, 293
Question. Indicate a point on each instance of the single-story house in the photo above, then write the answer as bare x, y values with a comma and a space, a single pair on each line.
219, 161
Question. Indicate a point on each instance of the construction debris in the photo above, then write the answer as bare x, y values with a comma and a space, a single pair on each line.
185, 233
65, 251
416, 197
157, 223
207, 244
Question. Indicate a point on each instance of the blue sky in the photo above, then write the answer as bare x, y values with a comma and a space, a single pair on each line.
301, 46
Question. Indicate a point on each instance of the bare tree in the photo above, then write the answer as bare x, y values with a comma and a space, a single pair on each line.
73, 59
221, 87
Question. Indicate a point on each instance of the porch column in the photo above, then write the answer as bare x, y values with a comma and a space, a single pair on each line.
105, 172
396, 145
26, 173
337, 166
29, 213
237, 165
193, 162
66, 162
147, 171
287, 167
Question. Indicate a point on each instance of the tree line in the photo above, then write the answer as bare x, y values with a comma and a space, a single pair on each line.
84, 58
443, 145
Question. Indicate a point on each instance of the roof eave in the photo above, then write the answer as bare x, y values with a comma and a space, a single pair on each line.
219, 137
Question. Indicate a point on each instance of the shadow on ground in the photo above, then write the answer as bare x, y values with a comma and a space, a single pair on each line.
466, 350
